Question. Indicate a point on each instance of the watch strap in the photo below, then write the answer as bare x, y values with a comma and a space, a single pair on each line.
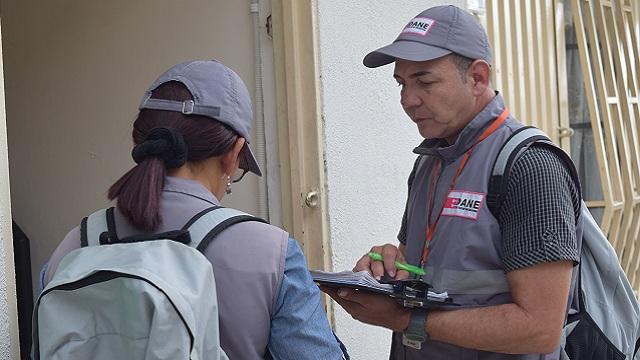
415, 334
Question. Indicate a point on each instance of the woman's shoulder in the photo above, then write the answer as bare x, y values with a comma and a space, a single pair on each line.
70, 242
262, 231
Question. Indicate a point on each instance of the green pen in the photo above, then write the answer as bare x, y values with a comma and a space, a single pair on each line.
408, 267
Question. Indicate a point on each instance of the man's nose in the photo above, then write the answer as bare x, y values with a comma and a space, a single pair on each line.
409, 99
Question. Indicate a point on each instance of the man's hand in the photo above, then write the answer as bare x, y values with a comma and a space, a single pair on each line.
374, 309
390, 255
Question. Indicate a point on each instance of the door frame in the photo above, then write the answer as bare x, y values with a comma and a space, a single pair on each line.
5, 226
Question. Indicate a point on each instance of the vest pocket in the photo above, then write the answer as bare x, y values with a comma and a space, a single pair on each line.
587, 342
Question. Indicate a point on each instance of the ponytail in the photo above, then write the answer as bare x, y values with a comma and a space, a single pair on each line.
138, 193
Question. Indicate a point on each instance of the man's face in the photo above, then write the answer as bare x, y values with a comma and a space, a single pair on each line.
435, 96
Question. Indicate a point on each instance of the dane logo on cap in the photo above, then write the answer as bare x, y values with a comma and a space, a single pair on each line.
419, 26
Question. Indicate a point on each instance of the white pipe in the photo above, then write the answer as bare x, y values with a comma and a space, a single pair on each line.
260, 145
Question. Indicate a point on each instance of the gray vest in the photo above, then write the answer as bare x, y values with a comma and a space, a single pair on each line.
466, 251
248, 260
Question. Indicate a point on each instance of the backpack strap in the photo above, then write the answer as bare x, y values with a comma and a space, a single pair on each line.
208, 223
97, 228
511, 150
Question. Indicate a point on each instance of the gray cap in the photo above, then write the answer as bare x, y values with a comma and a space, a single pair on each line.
434, 33
218, 92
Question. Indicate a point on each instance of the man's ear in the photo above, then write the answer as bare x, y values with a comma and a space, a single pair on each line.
230, 159
480, 73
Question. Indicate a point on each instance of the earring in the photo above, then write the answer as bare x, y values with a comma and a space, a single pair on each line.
228, 189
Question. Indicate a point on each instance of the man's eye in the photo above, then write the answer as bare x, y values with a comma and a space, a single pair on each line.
426, 83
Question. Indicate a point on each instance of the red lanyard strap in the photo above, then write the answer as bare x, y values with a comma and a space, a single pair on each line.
431, 227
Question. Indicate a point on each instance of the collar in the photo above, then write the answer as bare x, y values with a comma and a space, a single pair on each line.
189, 187
467, 136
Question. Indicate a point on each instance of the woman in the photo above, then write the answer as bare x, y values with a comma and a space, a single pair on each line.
191, 144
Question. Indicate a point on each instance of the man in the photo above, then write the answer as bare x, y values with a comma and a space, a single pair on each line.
512, 274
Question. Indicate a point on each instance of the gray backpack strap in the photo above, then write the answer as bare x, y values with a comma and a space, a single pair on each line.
97, 228
207, 224
515, 145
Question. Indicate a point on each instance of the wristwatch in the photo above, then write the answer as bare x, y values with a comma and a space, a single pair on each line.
415, 334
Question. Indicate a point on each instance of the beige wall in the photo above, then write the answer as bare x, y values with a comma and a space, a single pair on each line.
9, 348
75, 71
637, 16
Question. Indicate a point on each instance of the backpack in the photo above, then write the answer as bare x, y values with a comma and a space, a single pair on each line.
142, 297
606, 325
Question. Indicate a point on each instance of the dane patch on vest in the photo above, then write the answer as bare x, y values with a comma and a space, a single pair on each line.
464, 204
419, 26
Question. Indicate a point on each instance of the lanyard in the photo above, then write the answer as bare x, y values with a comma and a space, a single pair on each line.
431, 227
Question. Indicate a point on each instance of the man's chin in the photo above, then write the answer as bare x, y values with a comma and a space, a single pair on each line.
429, 133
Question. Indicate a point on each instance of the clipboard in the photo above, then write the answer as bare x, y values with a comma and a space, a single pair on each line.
410, 293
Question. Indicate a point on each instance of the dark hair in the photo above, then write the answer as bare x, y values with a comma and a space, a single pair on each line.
462, 63
138, 191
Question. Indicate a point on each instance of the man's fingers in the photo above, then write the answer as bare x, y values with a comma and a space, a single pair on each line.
344, 294
329, 290
347, 294
357, 311
367, 264
377, 269
353, 296
390, 254
401, 275
370, 308
344, 298
364, 264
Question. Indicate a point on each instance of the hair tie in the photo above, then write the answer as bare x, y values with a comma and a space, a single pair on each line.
165, 143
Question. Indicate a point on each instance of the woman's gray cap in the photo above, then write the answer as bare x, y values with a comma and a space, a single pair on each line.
218, 93
434, 33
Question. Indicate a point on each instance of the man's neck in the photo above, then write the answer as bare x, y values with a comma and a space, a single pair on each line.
481, 102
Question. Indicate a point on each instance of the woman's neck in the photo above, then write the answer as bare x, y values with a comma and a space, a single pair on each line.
208, 172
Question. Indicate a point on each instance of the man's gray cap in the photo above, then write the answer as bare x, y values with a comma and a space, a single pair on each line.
434, 33
218, 93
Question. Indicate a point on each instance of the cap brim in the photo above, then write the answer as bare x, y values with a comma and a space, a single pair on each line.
405, 50
248, 161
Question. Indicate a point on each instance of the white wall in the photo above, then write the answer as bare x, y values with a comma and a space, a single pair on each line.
9, 348
75, 72
369, 141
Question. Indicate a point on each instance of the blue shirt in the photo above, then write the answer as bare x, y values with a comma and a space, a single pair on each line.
299, 327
